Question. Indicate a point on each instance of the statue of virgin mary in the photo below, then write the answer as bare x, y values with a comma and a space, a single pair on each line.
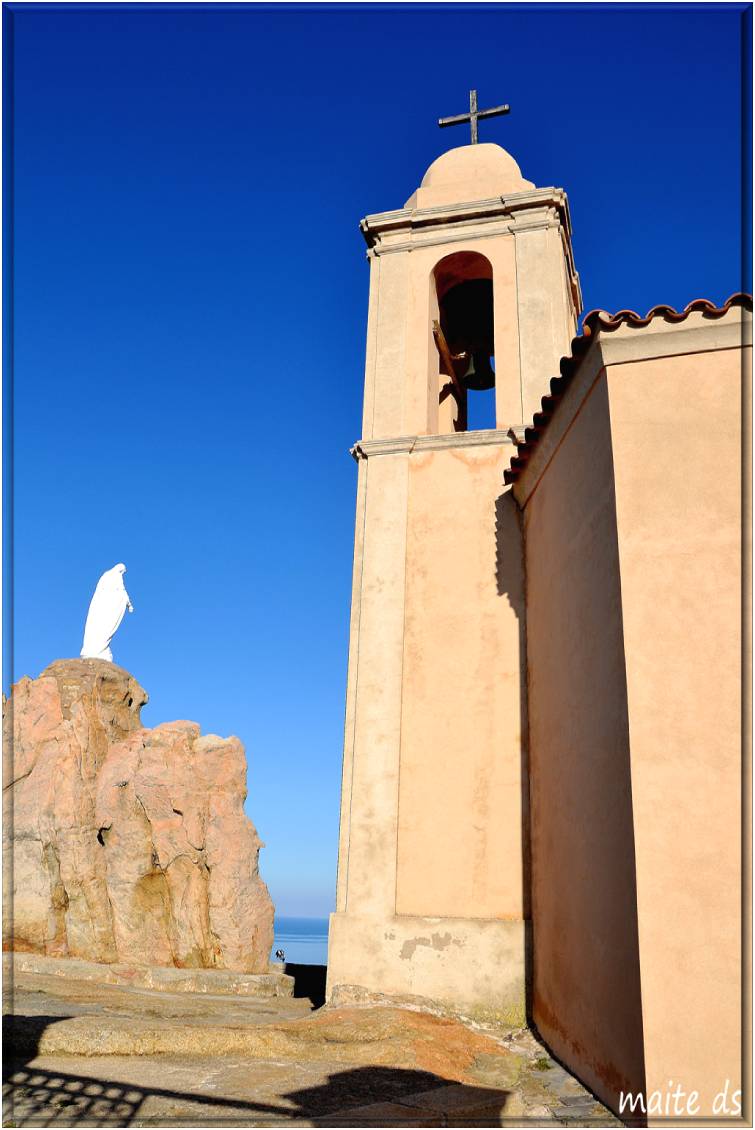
106, 610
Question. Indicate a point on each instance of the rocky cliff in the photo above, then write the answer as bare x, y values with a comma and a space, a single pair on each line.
125, 844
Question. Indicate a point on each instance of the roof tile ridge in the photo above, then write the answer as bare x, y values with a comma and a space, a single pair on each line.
591, 324
601, 319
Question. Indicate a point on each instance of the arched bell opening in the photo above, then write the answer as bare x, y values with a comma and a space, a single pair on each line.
465, 343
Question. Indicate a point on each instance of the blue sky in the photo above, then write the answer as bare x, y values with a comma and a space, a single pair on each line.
189, 309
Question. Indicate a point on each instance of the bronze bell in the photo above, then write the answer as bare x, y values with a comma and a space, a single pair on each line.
480, 374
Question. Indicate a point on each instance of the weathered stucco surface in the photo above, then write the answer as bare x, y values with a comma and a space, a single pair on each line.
473, 966
431, 883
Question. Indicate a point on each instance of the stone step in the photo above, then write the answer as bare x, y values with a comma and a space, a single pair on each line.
162, 978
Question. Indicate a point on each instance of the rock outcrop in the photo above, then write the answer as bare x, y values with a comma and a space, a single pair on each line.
126, 844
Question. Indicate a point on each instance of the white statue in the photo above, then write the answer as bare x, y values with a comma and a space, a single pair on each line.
106, 610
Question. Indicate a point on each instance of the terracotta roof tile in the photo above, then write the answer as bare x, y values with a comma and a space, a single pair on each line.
594, 321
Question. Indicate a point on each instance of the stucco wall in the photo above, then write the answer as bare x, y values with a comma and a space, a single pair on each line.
460, 786
633, 550
402, 367
433, 849
367, 848
676, 426
474, 965
586, 982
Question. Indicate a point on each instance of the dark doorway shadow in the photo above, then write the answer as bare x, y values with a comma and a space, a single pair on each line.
309, 981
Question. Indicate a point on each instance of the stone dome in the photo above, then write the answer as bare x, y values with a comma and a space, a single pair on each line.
469, 172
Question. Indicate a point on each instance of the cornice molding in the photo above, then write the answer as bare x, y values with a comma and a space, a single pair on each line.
461, 233
404, 445
408, 222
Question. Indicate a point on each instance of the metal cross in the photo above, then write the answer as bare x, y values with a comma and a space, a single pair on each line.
473, 115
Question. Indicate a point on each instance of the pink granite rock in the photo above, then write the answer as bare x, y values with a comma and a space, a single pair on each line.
126, 844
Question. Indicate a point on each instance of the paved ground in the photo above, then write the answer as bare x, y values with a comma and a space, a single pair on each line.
188, 1060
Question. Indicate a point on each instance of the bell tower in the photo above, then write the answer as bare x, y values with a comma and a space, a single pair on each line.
473, 292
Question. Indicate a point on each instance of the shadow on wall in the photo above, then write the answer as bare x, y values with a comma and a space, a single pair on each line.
38, 1096
509, 572
584, 977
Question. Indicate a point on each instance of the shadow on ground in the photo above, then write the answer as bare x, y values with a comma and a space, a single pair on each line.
41, 1097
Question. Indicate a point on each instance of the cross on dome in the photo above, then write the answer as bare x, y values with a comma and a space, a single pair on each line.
473, 116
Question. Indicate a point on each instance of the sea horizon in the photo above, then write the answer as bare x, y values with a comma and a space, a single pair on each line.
304, 940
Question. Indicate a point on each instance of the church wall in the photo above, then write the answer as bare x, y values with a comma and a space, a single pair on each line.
586, 996
632, 517
598, 797
507, 332
676, 426
546, 313
351, 686
423, 415
474, 966
433, 883
460, 786
371, 751
371, 347
385, 379
431, 893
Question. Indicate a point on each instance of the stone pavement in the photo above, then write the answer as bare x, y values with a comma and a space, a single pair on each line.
82, 1054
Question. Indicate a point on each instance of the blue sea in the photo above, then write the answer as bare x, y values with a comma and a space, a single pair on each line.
303, 940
